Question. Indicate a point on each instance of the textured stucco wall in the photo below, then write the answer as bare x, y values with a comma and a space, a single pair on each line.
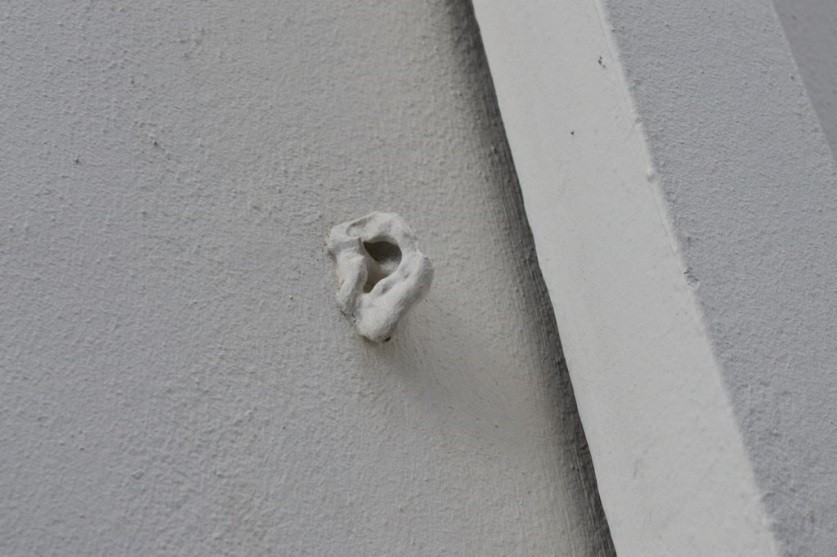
176, 377
750, 188
811, 28
683, 200
672, 470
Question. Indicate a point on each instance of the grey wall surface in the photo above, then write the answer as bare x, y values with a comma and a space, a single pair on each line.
749, 184
176, 377
811, 28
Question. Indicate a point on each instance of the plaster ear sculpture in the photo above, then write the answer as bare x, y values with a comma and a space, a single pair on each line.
382, 272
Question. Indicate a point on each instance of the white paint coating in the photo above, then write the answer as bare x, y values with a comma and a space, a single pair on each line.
174, 375
672, 470
684, 205
750, 187
376, 292
811, 29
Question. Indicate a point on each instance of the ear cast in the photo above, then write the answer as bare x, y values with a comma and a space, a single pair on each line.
381, 272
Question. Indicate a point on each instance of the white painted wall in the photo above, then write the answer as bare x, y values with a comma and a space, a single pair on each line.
671, 466
176, 376
751, 190
811, 28
683, 200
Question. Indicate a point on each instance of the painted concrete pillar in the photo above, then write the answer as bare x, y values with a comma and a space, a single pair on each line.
683, 201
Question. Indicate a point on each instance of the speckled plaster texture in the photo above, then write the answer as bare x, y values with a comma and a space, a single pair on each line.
810, 28
672, 470
750, 188
176, 377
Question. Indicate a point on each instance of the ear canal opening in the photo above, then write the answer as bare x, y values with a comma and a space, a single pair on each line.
384, 258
